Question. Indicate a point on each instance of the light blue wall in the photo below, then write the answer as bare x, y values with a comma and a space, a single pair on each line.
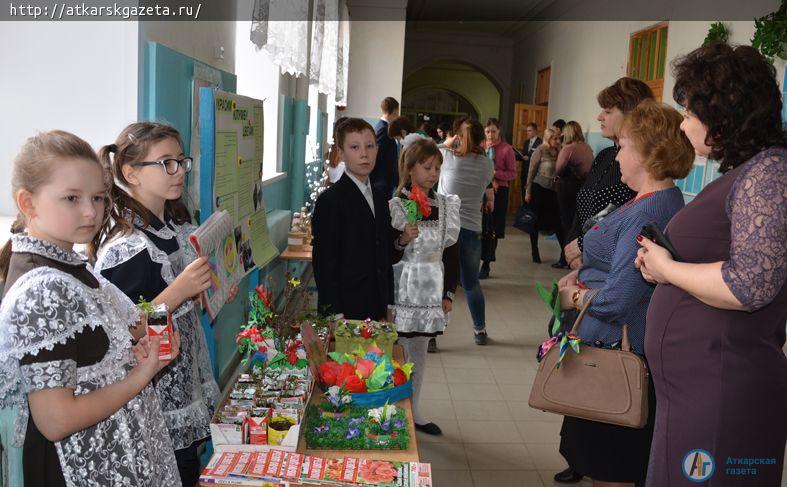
300, 130
166, 83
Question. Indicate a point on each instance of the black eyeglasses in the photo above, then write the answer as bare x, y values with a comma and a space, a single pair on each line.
170, 166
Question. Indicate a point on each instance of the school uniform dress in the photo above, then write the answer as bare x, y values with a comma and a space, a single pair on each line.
62, 325
143, 264
428, 267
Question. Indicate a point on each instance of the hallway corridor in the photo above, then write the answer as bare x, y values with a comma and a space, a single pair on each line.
478, 395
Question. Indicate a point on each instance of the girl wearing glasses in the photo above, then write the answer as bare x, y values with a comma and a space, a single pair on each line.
145, 252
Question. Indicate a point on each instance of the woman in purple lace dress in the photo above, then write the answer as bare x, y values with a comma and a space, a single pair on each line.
716, 323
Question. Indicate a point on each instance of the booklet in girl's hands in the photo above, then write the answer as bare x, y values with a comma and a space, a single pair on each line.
215, 240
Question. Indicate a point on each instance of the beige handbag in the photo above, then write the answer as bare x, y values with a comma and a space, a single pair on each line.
609, 386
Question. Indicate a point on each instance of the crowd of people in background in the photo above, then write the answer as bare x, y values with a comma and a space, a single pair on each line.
93, 401
724, 347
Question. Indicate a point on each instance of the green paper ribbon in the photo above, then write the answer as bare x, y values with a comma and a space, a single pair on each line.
552, 300
412, 211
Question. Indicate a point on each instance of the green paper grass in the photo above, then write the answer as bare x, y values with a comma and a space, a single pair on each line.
335, 438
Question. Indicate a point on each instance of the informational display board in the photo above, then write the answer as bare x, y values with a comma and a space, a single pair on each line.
232, 137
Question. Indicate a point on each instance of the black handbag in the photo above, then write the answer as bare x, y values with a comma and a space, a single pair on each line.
525, 218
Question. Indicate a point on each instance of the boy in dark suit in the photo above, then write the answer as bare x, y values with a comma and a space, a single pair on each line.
353, 235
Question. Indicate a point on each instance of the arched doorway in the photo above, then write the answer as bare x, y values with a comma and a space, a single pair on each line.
436, 105
444, 90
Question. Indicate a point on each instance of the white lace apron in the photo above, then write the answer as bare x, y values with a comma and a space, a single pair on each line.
46, 307
186, 389
418, 277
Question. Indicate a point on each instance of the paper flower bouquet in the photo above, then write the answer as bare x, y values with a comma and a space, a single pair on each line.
371, 376
268, 337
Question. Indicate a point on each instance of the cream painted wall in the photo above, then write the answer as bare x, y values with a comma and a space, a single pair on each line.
584, 56
588, 56
376, 64
75, 76
211, 42
490, 54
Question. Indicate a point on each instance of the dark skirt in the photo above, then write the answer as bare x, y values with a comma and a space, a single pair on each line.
547, 209
567, 191
501, 210
608, 452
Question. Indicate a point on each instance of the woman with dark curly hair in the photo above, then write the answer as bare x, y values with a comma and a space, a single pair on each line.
715, 325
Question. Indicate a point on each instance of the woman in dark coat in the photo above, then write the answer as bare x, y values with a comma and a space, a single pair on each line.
716, 323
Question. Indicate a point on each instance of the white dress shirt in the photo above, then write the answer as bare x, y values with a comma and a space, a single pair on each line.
364, 188
532, 141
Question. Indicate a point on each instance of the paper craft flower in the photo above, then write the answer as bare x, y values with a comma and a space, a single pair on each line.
383, 413
420, 199
352, 433
338, 398
399, 377
329, 372
363, 371
355, 384
265, 295
366, 331
365, 367
252, 334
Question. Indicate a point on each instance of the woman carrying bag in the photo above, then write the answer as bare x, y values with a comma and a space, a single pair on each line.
653, 152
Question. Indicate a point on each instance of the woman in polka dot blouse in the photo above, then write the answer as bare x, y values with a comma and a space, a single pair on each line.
603, 185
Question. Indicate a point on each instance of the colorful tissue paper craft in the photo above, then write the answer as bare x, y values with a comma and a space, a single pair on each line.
565, 341
417, 206
364, 370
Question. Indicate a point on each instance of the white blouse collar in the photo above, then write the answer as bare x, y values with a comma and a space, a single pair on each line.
31, 245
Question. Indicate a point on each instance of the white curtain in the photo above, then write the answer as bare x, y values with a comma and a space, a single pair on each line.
325, 42
280, 27
343, 57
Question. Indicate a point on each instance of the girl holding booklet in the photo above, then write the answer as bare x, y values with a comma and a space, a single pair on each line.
86, 413
146, 253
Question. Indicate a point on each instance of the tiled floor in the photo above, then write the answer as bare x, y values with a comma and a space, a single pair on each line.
478, 395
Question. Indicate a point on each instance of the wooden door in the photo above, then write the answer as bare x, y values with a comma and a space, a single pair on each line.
542, 86
523, 115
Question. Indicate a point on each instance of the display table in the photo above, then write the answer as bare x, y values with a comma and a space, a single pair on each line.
296, 255
408, 455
